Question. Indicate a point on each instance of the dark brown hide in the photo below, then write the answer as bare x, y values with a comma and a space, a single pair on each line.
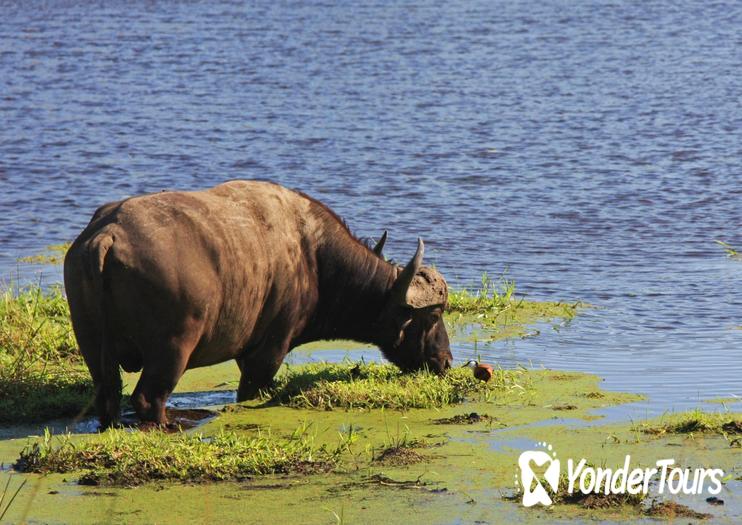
247, 271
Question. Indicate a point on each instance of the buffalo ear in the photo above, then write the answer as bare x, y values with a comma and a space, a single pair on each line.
402, 284
380, 245
400, 337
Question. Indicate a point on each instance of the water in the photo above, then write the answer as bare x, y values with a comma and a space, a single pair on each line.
594, 151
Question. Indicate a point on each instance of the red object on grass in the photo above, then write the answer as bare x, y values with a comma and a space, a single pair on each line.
483, 372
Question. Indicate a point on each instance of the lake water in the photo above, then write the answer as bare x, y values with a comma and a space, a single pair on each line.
593, 151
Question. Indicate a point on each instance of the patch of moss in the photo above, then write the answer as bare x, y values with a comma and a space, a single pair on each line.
328, 386
464, 419
399, 456
594, 395
636, 503
123, 458
695, 422
564, 406
671, 510
401, 449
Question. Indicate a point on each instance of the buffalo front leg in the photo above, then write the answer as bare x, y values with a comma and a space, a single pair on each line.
258, 371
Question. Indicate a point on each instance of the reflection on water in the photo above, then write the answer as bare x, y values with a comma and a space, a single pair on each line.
592, 150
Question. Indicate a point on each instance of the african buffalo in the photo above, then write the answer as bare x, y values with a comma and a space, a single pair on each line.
246, 270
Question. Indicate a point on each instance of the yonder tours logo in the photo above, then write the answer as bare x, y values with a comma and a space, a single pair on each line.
587, 479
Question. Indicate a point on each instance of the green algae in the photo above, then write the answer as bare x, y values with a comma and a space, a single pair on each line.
514, 321
222, 376
458, 473
357, 431
493, 311
326, 386
273, 499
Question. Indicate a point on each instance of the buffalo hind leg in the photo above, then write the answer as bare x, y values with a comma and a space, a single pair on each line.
155, 386
258, 371
162, 369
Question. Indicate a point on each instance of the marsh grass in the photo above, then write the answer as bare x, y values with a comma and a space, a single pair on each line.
329, 386
41, 374
491, 295
495, 306
44, 395
695, 422
54, 254
729, 249
402, 438
399, 448
124, 458
35, 328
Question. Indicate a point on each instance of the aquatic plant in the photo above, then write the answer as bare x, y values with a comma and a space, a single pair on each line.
124, 458
695, 422
41, 372
495, 307
399, 447
35, 327
54, 255
326, 386
729, 249
491, 295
